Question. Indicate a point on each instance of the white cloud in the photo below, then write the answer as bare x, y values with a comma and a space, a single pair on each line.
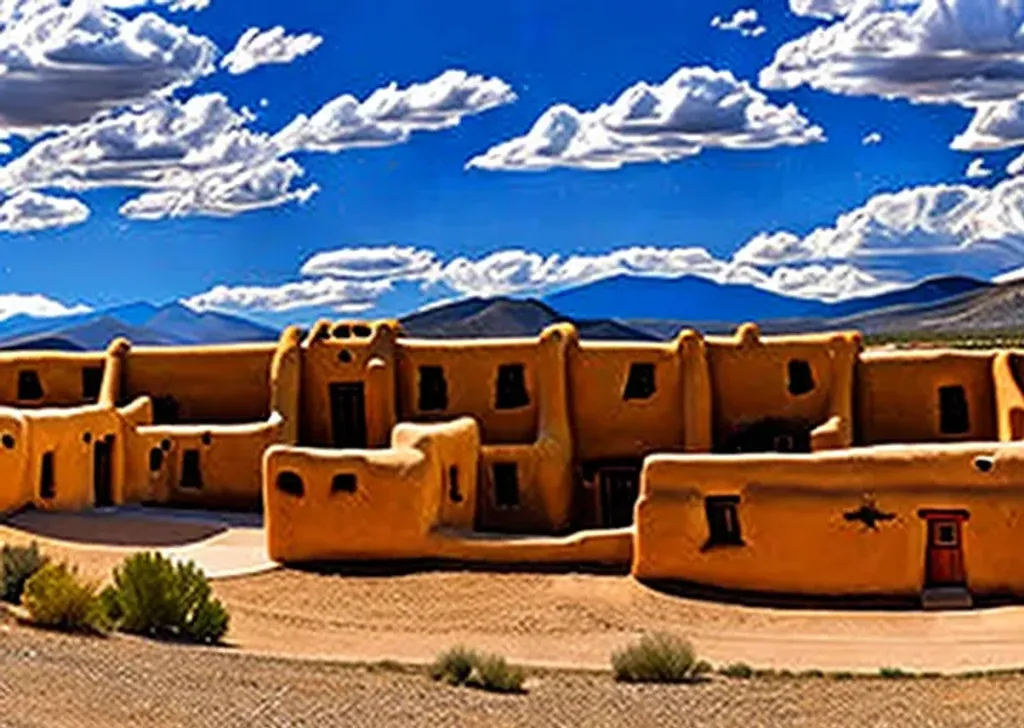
62, 63
260, 47
393, 262
36, 305
936, 51
935, 228
693, 109
175, 6
743, 21
349, 296
977, 169
826, 9
31, 211
200, 156
390, 114
871, 138
995, 125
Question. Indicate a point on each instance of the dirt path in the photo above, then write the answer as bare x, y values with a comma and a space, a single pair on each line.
50, 681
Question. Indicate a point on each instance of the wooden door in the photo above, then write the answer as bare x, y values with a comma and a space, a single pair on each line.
619, 490
348, 415
102, 473
945, 559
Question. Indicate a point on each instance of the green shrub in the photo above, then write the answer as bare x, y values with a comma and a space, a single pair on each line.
461, 666
454, 665
56, 597
157, 597
656, 658
893, 673
17, 564
738, 669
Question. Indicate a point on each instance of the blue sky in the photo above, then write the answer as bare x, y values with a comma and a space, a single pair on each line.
389, 228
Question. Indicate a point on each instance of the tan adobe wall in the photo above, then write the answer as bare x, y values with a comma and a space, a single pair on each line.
60, 377
898, 395
796, 536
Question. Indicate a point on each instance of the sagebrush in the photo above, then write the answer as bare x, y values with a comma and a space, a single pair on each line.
658, 657
56, 597
17, 565
154, 596
461, 666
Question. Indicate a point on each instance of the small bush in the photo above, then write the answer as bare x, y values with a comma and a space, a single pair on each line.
656, 658
17, 565
491, 672
461, 666
56, 597
738, 669
893, 673
156, 597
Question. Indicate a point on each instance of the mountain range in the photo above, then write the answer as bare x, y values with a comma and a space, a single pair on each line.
621, 307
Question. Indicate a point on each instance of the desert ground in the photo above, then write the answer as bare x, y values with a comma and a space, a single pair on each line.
300, 641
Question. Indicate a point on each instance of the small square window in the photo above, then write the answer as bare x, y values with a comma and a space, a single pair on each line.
953, 417
640, 384
29, 386
945, 534
433, 395
506, 485
92, 381
800, 378
511, 387
723, 522
343, 483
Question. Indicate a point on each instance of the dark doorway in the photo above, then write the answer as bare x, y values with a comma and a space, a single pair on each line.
944, 560
348, 414
769, 435
619, 488
103, 472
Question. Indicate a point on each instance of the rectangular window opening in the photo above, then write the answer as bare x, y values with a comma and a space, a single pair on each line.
511, 387
433, 394
191, 474
92, 382
506, 485
641, 383
953, 416
29, 386
47, 487
723, 522
800, 378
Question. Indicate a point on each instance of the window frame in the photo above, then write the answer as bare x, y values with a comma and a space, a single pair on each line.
722, 509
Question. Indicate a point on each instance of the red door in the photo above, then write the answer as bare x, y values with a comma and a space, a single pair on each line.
945, 557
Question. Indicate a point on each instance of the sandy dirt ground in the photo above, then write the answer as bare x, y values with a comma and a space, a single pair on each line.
555, 620
51, 681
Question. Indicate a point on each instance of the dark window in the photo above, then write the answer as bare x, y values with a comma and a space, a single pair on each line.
344, 356
506, 485
156, 459
801, 378
511, 387
343, 483
361, 330
454, 494
640, 384
433, 389
342, 331
92, 382
723, 523
953, 418
47, 489
165, 410
8, 441
29, 386
191, 475
290, 483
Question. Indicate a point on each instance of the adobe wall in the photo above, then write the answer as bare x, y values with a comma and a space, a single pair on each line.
210, 384
797, 538
59, 376
898, 395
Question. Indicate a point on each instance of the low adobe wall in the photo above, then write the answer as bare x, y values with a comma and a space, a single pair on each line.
797, 536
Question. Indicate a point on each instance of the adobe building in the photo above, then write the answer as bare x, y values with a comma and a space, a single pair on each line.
797, 465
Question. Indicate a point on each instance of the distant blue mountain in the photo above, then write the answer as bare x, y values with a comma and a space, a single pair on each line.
694, 299
142, 323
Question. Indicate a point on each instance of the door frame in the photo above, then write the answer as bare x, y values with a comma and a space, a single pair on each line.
103, 471
933, 517
359, 436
